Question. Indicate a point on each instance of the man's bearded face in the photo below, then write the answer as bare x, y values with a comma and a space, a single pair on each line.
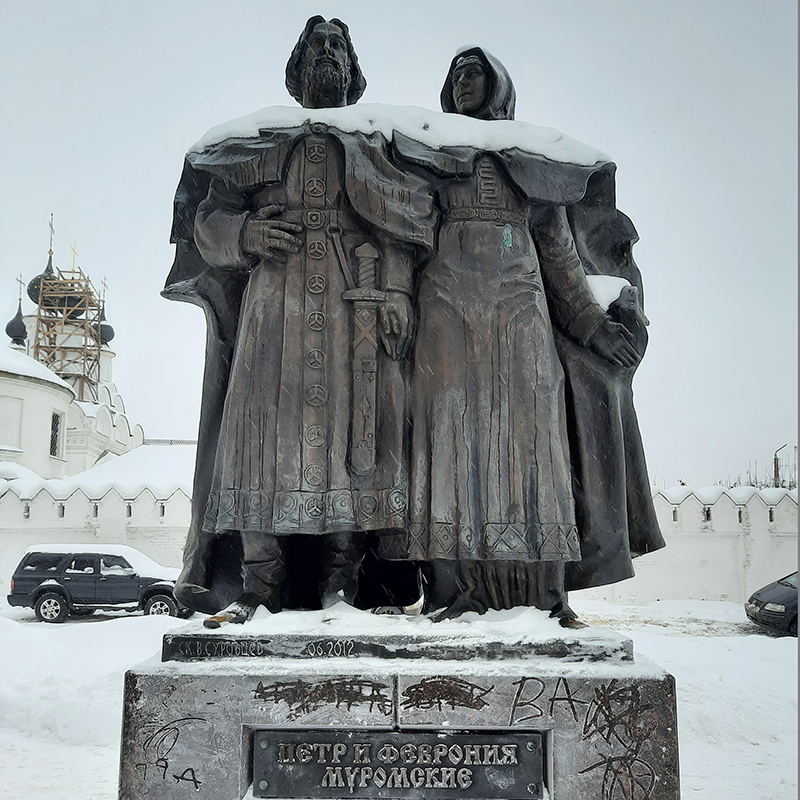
326, 66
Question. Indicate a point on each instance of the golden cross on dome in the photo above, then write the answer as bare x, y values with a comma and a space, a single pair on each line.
21, 283
74, 254
52, 231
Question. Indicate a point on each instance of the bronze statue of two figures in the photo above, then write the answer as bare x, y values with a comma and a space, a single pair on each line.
422, 332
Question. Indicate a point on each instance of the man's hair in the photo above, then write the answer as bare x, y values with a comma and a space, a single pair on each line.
294, 81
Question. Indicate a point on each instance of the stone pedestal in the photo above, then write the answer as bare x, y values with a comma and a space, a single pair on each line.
398, 714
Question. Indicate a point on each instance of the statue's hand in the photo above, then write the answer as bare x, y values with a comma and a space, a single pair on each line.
615, 343
397, 324
272, 238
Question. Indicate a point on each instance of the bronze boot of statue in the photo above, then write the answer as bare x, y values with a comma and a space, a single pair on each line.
263, 573
567, 618
461, 594
237, 613
546, 582
342, 554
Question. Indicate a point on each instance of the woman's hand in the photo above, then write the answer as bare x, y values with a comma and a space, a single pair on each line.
615, 343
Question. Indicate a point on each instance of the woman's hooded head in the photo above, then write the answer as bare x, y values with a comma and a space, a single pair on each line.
500, 95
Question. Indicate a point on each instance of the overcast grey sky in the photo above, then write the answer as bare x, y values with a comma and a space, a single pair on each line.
695, 101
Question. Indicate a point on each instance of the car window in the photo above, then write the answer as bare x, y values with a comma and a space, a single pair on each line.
115, 565
43, 562
790, 580
81, 564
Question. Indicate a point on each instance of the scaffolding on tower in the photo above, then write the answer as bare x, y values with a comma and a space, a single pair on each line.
68, 330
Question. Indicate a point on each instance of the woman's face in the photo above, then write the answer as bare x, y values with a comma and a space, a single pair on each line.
470, 86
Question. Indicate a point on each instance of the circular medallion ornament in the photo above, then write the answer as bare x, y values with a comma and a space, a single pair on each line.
315, 359
397, 500
368, 505
315, 152
315, 435
318, 127
316, 320
317, 249
285, 505
314, 507
258, 502
316, 395
314, 475
343, 505
314, 219
316, 284
315, 187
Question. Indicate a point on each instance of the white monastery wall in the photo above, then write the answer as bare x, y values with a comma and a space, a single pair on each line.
721, 545
155, 526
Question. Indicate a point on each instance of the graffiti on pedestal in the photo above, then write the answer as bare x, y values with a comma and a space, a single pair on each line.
615, 720
618, 717
438, 692
156, 750
304, 697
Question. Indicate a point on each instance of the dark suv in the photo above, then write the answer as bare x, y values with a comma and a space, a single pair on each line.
78, 580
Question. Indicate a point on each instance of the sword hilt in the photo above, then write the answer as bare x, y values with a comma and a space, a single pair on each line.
367, 256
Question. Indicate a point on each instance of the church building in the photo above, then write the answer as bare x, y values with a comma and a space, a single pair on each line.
73, 468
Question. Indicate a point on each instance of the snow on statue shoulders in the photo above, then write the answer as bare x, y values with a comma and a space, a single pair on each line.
432, 128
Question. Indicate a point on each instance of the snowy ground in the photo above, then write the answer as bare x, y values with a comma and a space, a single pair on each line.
61, 697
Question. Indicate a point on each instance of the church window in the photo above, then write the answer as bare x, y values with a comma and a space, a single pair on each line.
55, 435
61, 511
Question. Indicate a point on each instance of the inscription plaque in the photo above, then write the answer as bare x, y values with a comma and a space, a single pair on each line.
409, 765
206, 646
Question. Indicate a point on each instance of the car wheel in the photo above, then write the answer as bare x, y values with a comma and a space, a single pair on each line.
793, 627
81, 612
51, 607
161, 604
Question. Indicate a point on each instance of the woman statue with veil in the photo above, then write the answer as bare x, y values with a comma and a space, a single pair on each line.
492, 512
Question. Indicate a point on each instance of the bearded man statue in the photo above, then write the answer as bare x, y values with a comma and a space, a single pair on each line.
299, 241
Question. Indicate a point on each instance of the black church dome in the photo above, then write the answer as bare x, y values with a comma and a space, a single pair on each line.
16, 329
103, 328
36, 283
34, 288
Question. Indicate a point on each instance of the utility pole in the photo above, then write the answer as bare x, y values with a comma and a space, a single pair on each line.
776, 468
